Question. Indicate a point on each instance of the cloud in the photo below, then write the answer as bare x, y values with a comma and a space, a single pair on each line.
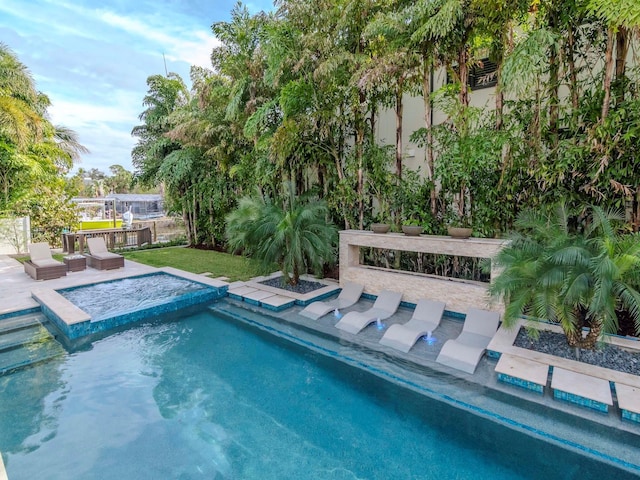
93, 60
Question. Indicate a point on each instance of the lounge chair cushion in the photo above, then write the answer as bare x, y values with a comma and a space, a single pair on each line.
40, 252
105, 256
40, 255
96, 246
46, 263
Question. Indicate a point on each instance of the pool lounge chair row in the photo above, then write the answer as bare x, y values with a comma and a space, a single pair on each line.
42, 266
462, 353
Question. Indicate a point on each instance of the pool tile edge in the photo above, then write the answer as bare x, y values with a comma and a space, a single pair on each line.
64, 310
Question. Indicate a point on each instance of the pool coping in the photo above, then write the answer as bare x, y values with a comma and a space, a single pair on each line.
76, 323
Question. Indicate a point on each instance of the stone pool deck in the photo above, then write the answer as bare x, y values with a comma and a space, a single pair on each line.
16, 286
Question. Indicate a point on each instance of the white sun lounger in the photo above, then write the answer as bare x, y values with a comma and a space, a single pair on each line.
464, 352
426, 318
349, 295
385, 305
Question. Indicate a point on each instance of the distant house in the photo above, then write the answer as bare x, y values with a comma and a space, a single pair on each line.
142, 205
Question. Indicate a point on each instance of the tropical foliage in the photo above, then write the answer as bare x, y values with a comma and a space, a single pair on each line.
574, 270
34, 153
296, 236
299, 95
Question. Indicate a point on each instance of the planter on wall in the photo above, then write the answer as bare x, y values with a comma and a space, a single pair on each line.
380, 227
412, 230
459, 232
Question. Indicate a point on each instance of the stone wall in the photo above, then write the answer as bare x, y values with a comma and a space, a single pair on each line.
458, 294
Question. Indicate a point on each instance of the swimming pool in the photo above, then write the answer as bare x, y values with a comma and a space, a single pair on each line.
211, 397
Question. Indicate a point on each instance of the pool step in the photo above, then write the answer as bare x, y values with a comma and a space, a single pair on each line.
24, 341
20, 322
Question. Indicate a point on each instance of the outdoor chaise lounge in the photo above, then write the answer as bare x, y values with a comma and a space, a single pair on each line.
42, 266
349, 295
426, 318
385, 305
464, 352
101, 258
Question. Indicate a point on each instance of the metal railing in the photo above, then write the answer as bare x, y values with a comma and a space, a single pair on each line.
114, 238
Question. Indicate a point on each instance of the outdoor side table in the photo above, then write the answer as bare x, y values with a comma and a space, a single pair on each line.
75, 263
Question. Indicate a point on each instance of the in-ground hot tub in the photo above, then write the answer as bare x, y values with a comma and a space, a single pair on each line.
97, 307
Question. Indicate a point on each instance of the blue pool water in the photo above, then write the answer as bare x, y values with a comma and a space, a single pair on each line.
211, 398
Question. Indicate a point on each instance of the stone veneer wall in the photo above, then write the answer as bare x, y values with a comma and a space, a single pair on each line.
459, 295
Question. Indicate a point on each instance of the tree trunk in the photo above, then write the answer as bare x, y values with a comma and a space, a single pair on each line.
573, 75
499, 101
608, 75
360, 160
622, 48
187, 221
463, 64
554, 98
426, 95
194, 220
589, 341
399, 115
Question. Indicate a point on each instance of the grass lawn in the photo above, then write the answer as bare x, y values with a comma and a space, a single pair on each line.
198, 261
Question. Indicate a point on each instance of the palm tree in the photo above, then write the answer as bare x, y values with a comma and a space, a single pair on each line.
297, 236
33, 152
573, 271
21, 104
164, 96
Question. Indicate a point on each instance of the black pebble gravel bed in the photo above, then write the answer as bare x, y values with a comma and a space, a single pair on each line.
607, 356
303, 286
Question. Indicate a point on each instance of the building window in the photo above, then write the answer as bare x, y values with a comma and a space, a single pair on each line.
481, 75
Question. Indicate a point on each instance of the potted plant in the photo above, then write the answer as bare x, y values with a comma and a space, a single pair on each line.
382, 224
380, 227
459, 227
412, 227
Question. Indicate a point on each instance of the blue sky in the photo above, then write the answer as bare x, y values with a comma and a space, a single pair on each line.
92, 58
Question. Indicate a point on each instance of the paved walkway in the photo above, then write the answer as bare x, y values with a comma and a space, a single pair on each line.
16, 285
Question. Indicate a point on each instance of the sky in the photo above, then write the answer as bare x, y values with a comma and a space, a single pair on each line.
92, 59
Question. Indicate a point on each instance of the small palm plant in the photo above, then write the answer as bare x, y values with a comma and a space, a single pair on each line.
571, 271
296, 236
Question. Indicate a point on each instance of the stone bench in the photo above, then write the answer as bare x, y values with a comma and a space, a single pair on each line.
583, 390
628, 401
522, 372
